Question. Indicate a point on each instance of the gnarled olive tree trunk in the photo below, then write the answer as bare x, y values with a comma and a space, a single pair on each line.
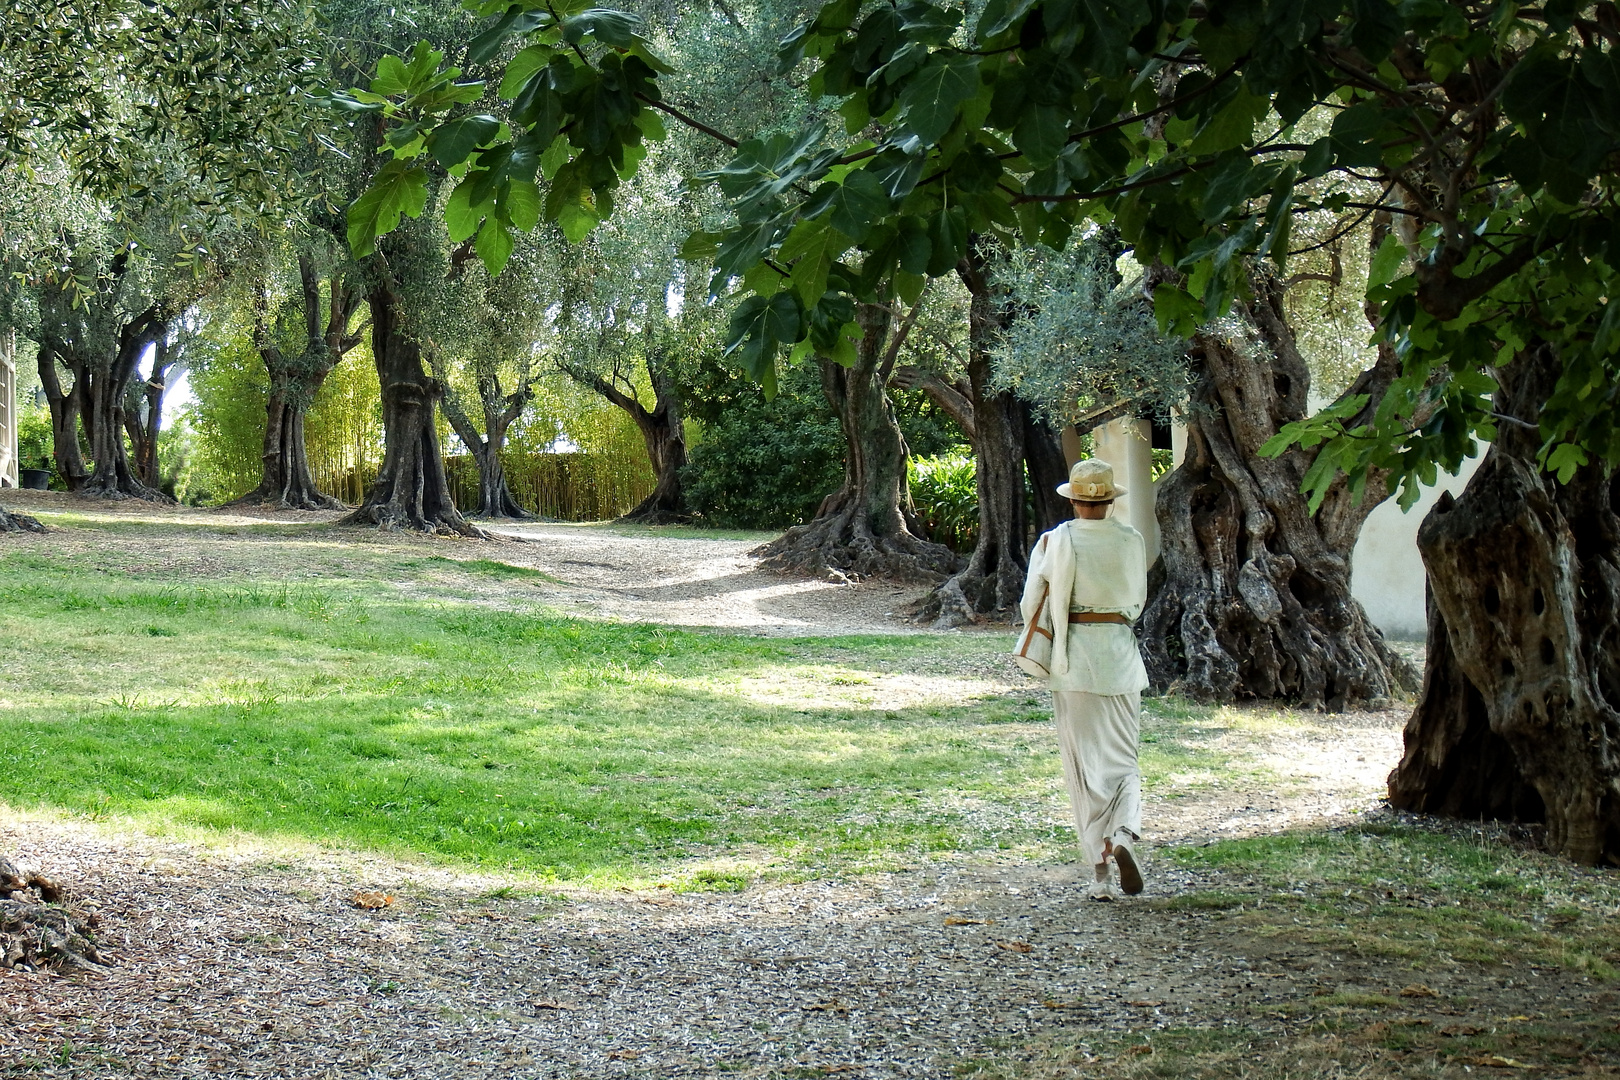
113, 475
663, 432
286, 481
501, 410
63, 330
37, 929
143, 412
1520, 713
411, 491
993, 579
866, 528
1252, 595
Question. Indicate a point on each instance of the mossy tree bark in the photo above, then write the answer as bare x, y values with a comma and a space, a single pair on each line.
411, 491
286, 482
1520, 712
1251, 598
867, 528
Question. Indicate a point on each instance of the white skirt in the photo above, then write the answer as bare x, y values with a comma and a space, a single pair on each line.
1097, 739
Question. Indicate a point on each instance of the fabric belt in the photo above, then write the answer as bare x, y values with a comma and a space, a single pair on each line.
1098, 617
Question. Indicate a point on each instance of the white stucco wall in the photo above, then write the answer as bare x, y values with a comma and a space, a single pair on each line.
1386, 570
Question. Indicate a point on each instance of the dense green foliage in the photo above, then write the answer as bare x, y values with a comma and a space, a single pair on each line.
1484, 127
763, 462
945, 495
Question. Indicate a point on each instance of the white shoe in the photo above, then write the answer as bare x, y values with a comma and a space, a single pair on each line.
1130, 873
1100, 891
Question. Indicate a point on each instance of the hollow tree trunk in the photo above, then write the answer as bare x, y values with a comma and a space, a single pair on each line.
411, 491
495, 498
286, 481
993, 579
866, 528
1253, 598
112, 475
1520, 716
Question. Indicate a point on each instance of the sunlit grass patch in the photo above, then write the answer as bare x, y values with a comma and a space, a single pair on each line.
1426, 897
525, 740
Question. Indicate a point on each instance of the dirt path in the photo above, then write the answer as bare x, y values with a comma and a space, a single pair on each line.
635, 574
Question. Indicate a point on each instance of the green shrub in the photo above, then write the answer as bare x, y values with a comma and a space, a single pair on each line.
35, 442
945, 492
758, 464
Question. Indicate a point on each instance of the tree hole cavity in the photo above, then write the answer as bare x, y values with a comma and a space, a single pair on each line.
1507, 668
1493, 600
1282, 383
1540, 601
1548, 654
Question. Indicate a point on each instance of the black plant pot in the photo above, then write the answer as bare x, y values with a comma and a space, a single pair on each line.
37, 479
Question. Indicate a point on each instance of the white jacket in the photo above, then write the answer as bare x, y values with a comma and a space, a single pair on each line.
1091, 566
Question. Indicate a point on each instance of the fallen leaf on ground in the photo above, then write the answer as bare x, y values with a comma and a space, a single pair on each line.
372, 901
1418, 990
561, 1006
1497, 1061
954, 921
1458, 1031
1145, 1004
1014, 946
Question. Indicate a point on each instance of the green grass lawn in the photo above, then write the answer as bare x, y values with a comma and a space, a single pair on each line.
295, 683
344, 712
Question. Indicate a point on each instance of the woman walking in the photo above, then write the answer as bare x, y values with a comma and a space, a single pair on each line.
1093, 570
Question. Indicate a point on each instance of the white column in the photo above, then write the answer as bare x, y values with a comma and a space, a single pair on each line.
1127, 445
8, 409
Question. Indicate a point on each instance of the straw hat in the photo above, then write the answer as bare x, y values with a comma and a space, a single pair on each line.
1091, 480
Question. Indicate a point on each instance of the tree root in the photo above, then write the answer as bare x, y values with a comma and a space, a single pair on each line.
272, 499
131, 489
840, 547
10, 522
37, 931
389, 518
974, 594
